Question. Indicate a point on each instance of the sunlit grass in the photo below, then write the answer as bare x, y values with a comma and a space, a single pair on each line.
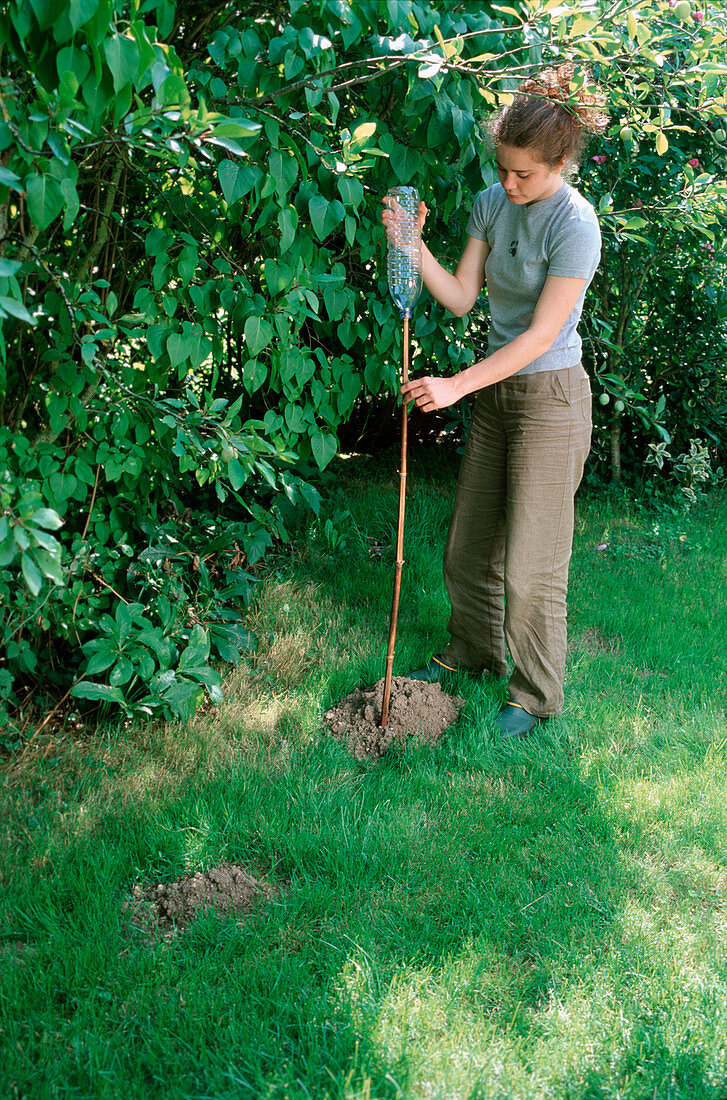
476, 920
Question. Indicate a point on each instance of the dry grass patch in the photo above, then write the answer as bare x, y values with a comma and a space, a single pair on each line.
593, 642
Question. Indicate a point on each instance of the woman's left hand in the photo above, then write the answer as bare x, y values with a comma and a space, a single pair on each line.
431, 393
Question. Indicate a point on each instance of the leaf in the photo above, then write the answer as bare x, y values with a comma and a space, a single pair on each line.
463, 123
432, 68
198, 347
311, 496
583, 24
183, 698
296, 418
288, 223
85, 689
72, 60
7, 545
284, 170
351, 190
662, 143
80, 11
31, 573
46, 12
11, 307
318, 208
324, 446
362, 134
101, 661
278, 276
334, 215
236, 474
336, 301
210, 677
45, 199
122, 55
226, 644
9, 179
258, 334
71, 201
46, 517
237, 127
49, 566
405, 162
237, 180
153, 638
121, 673
177, 348
254, 374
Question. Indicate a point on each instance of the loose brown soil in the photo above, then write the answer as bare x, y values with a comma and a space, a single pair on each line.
161, 910
416, 710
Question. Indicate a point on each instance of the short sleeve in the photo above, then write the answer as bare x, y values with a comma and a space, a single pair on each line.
575, 249
478, 224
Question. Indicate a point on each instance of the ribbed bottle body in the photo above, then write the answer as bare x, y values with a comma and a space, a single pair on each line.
404, 259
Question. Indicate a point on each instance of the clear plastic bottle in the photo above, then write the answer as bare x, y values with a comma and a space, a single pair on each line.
404, 260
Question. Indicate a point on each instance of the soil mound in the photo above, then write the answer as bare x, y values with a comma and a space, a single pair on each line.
167, 907
416, 710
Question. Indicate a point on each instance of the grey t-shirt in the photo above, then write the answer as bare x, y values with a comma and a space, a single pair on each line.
555, 236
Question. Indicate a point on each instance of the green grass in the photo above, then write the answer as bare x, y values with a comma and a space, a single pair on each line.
474, 921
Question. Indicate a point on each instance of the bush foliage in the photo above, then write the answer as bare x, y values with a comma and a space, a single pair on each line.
192, 299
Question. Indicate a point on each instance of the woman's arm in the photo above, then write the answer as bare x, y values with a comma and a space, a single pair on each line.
555, 304
458, 292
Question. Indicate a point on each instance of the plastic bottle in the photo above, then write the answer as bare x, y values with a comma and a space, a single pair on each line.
404, 260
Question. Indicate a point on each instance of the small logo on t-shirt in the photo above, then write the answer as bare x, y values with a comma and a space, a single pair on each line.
513, 248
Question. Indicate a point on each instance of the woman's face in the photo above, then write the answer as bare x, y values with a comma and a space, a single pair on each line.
524, 177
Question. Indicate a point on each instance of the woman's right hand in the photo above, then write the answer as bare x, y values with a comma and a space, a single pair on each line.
388, 202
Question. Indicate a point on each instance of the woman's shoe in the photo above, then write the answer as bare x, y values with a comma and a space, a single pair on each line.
514, 721
432, 672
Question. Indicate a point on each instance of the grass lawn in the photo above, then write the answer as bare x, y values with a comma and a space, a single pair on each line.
477, 920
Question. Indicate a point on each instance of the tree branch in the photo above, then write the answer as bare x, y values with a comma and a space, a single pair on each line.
103, 234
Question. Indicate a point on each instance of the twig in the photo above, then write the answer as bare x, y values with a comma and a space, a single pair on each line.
100, 580
103, 232
48, 717
93, 501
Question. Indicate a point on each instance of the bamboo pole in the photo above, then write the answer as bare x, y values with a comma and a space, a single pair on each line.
399, 563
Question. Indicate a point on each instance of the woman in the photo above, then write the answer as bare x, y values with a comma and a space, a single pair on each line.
535, 241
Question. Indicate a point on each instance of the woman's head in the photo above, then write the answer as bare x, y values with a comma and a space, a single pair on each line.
548, 119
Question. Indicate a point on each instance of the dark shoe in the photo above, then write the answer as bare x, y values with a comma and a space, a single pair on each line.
432, 672
514, 721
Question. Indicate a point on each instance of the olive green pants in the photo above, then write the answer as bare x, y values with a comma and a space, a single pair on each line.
511, 534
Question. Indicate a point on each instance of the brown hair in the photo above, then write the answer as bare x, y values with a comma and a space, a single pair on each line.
550, 118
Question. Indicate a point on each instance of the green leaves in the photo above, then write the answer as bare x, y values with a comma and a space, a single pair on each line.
11, 307
287, 223
45, 199
351, 190
23, 535
258, 334
405, 162
146, 672
187, 349
237, 180
324, 447
325, 214
284, 170
122, 56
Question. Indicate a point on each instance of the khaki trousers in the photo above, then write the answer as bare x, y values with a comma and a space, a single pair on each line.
510, 538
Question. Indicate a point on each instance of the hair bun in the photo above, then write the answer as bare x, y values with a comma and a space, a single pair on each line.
584, 102
552, 113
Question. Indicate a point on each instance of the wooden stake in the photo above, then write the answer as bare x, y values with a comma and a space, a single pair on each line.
398, 565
